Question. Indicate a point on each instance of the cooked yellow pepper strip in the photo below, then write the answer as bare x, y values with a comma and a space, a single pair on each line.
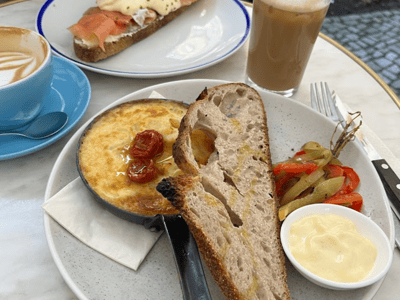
325, 159
308, 156
321, 192
304, 182
312, 146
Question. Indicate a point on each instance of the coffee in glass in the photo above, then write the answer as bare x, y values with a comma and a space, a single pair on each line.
282, 37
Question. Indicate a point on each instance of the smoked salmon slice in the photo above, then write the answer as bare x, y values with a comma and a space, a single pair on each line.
98, 24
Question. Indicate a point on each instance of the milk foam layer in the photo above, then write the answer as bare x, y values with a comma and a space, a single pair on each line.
21, 53
300, 6
15, 66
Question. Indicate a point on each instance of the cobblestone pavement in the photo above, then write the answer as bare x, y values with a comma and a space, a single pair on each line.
374, 37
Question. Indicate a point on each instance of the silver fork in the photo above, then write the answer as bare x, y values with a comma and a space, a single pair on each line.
321, 101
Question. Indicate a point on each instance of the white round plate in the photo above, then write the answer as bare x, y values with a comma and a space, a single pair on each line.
91, 275
205, 34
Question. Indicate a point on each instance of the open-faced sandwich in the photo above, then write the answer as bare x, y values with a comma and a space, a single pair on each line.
115, 25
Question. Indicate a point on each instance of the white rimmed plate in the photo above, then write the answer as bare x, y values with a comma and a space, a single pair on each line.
93, 276
207, 33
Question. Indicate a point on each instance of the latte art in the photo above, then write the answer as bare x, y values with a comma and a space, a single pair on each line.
16, 65
26, 73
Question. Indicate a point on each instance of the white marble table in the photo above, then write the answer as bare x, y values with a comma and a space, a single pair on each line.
27, 270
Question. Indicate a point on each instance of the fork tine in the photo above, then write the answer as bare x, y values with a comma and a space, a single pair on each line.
325, 101
322, 101
313, 98
330, 102
321, 107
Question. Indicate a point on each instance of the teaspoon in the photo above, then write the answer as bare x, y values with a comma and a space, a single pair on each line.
43, 127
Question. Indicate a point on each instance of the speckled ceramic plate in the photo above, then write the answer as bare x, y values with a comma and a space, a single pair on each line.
93, 276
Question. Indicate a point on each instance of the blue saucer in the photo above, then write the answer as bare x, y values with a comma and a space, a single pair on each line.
70, 92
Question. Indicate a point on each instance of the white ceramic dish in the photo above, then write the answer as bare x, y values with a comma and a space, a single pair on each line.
207, 33
365, 226
93, 276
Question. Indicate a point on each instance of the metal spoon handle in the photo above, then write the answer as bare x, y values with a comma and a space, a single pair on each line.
42, 127
11, 133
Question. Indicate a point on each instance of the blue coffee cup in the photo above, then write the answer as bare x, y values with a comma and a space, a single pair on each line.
26, 73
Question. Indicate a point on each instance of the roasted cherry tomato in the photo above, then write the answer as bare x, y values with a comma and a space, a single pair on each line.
147, 144
142, 170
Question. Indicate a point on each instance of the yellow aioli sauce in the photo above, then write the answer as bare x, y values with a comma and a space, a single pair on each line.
330, 247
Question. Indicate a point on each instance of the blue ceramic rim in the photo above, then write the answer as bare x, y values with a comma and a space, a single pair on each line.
146, 75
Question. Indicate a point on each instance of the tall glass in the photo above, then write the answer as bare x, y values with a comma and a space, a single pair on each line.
283, 34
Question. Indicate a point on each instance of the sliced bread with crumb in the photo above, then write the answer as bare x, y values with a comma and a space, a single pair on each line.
228, 200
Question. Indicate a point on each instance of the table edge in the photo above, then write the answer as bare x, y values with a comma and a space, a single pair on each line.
371, 72
11, 2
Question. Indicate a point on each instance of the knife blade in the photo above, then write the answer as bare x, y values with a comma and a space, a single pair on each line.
390, 180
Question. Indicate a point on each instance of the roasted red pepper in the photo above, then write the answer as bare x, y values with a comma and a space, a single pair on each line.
352, 200
334, 171
300, 153
352, 180
295, 168
314, 175
281, 182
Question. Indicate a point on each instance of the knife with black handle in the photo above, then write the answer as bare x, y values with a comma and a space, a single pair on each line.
390, 181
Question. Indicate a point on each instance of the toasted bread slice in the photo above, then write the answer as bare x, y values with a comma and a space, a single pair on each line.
229, 202
88, 53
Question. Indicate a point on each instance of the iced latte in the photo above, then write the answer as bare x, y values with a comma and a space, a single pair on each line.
282, 37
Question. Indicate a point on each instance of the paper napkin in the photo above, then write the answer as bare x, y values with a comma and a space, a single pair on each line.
75, 208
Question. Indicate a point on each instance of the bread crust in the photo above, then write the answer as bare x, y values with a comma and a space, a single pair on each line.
94, 54
176, 190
